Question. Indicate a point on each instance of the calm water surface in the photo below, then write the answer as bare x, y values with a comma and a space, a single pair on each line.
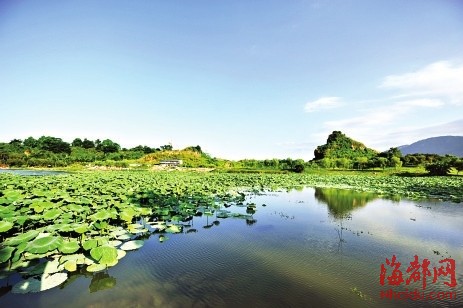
32, 172
308, 248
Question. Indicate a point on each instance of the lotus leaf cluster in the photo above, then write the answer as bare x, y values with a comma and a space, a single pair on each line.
51, 226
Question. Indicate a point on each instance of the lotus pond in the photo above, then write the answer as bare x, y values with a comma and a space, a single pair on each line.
178, 239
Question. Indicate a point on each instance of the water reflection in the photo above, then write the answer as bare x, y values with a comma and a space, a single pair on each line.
99, 281
341, 202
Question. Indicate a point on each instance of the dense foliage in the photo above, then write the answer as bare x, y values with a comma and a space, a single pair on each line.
339, 145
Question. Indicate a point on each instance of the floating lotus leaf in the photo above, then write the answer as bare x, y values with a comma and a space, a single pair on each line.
5, 253
90, 244
70, 266
132, 245
78, 258
115, 243
96, 268
44, 244
124, 237
158, 225
106, 255
120, 254
20, 264
69, 247
163, 238
118, 232
33, 285
47, 268
174, 229
34, 256
5, 226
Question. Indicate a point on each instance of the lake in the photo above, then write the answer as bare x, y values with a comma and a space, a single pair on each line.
28, 172
302, 248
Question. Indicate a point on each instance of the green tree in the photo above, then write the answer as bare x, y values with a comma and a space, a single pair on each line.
55, 145
31, 143
17, 143
395, 162
361, 162
382, 162
442, 167
108, 146
166, 147
77, 142
88, 144
458, 164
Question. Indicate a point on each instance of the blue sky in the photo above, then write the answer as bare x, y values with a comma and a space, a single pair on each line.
243, 79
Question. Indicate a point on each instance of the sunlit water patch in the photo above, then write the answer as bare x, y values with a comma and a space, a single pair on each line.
309, 248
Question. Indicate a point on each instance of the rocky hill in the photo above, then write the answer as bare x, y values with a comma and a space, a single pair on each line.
339, 145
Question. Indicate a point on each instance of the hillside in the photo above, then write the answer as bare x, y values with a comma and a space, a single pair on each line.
189, 156
339, 145
442, 145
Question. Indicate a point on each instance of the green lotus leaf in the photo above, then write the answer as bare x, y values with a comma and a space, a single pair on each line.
5, 253
162, 238
92, 243
106, 255
20, 220
34, 256
115, 243
96, 268
52, 214
5, 226
118, 232
124, 237
80, 228
75, 208
174, 229
145, 211
20, 264
101, 215
69, 247
4, 200
18, 253
33, 285
78, 258
12, 195
70, 266
158, 225
120, 254
44, 244
46, 268
127, 215
132, 245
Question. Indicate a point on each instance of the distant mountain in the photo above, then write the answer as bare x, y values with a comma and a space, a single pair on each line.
442, 145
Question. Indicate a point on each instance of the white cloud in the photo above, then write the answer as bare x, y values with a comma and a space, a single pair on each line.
323, 103
442, 79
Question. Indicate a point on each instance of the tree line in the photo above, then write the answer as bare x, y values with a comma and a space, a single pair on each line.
48, 151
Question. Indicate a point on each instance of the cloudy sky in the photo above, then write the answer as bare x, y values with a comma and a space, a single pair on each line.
254, 79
